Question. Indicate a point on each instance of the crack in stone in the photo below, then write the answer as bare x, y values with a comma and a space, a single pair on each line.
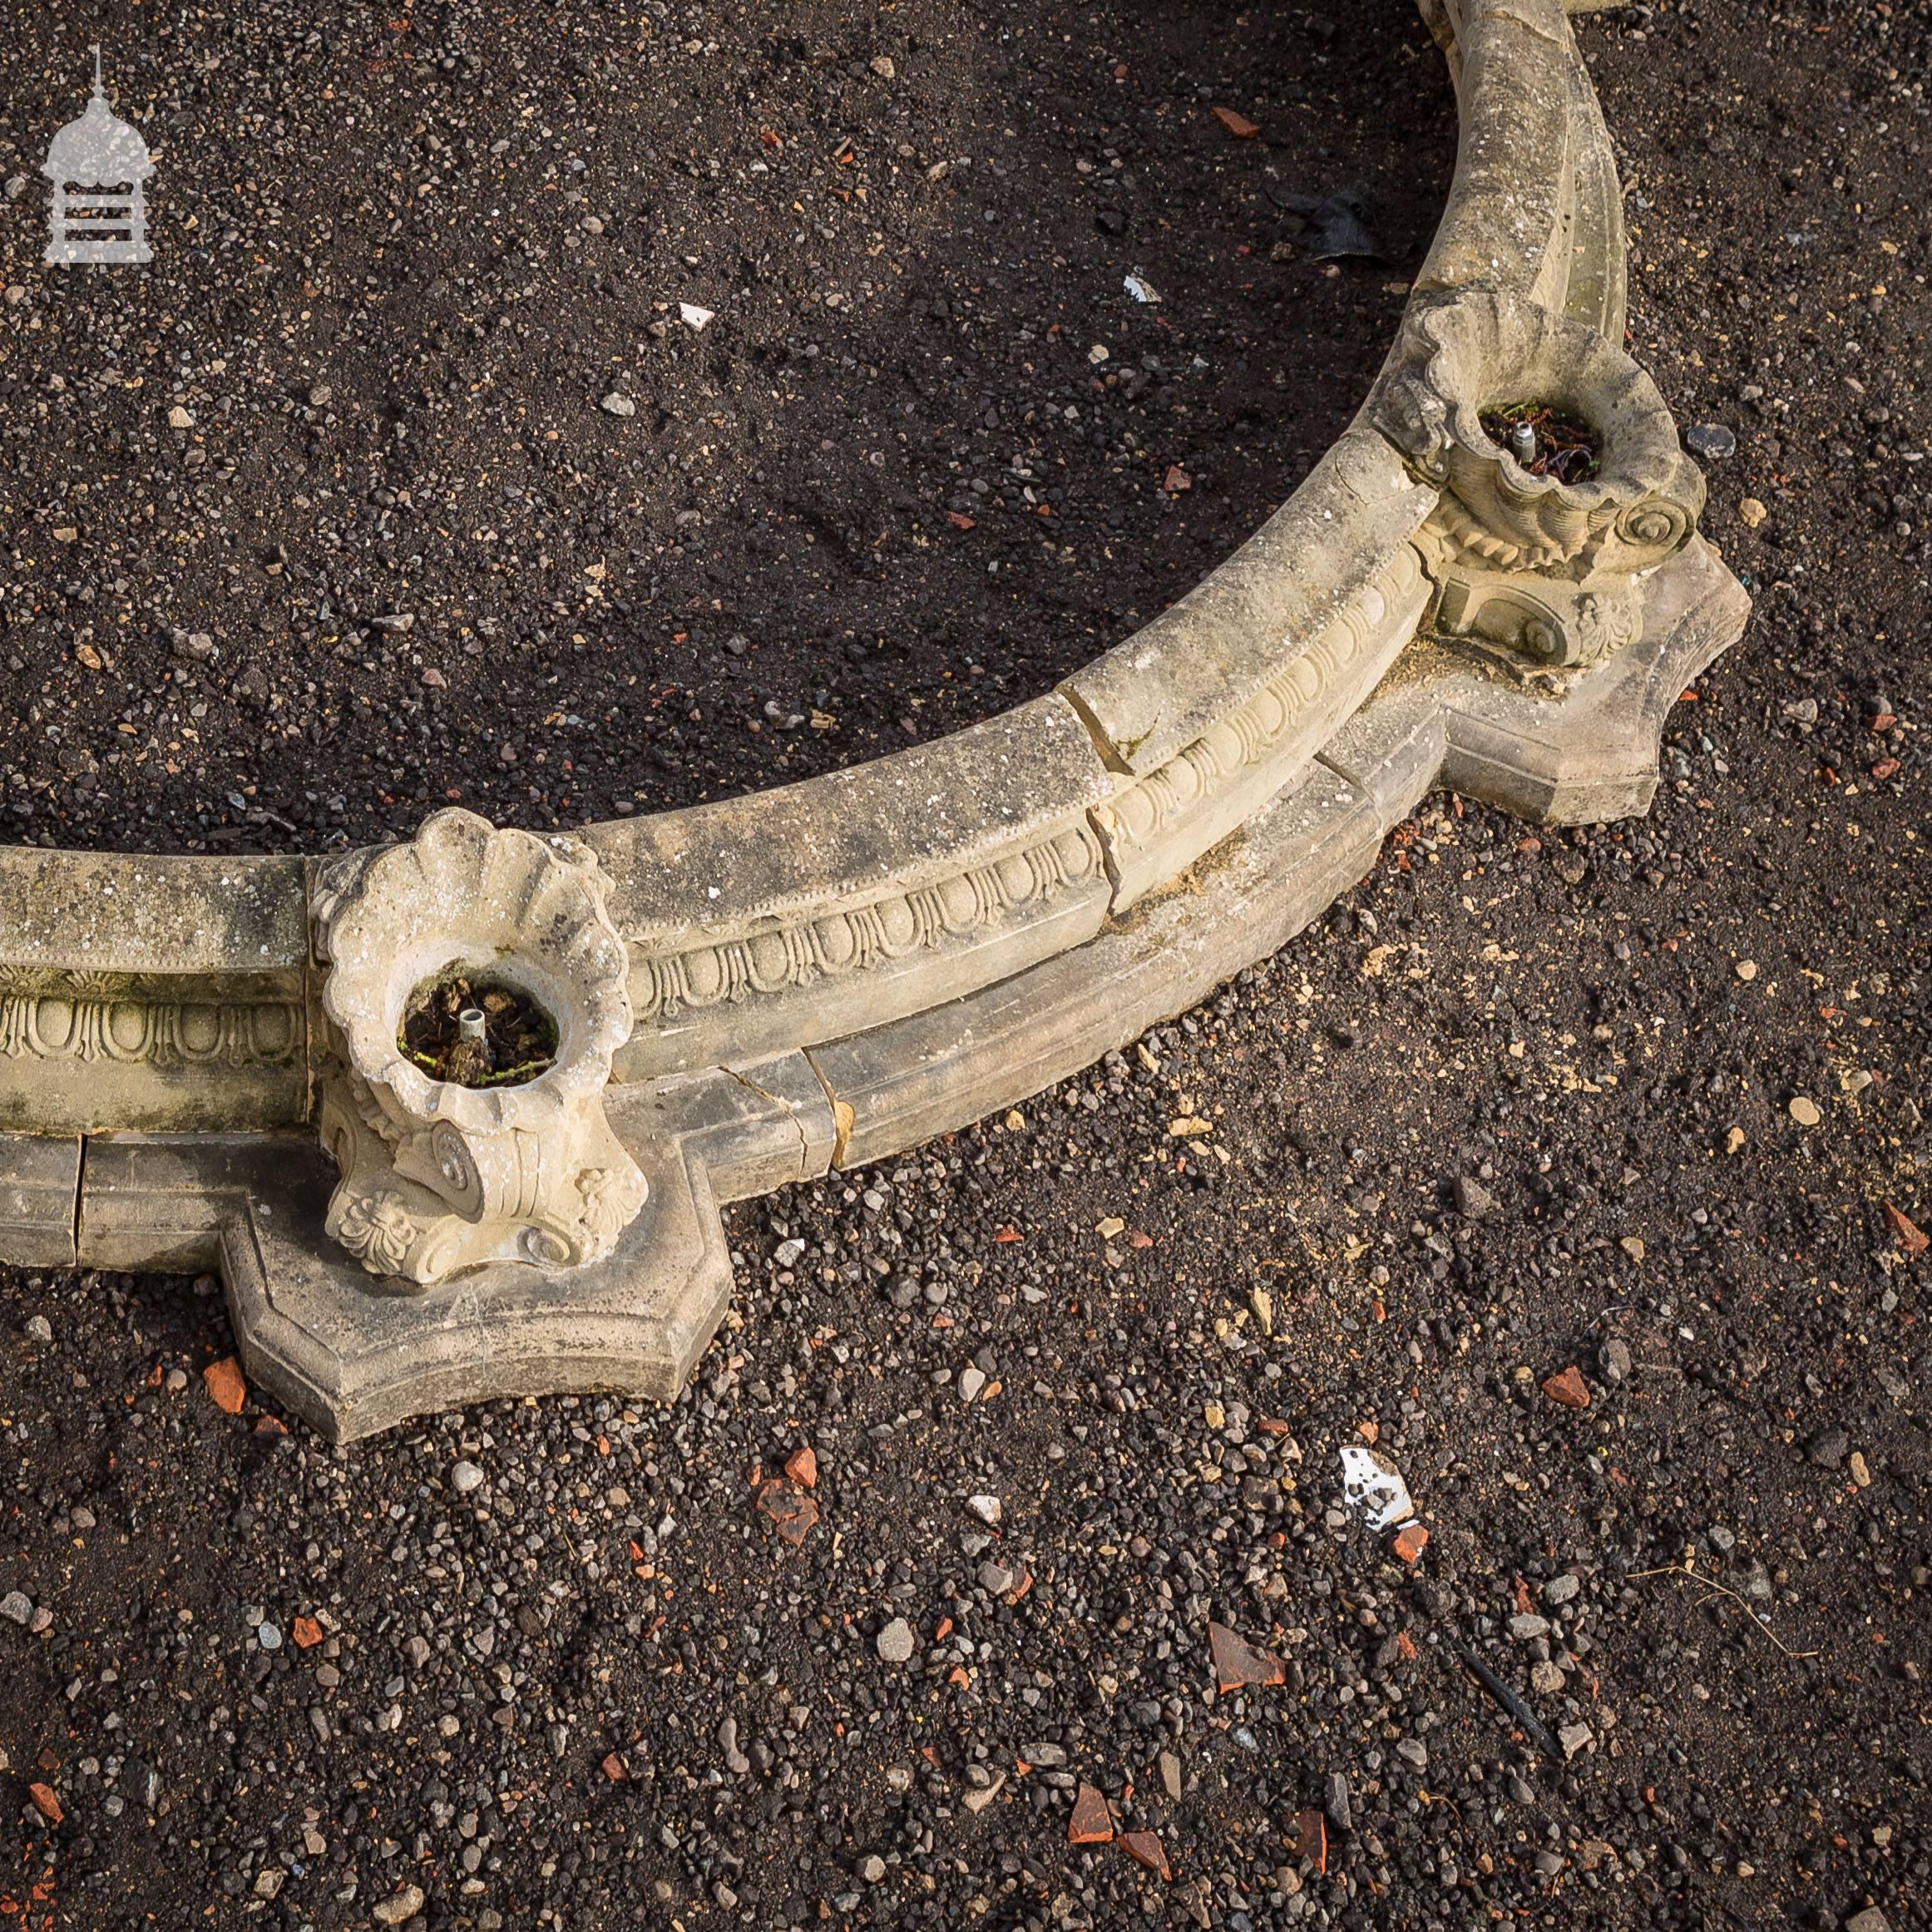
1510, 18
1109, 754
790, 1112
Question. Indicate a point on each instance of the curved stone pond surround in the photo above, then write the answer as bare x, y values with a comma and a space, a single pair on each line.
753, 992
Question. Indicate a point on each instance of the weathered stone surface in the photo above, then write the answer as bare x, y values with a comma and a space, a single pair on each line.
767, 922
1179, 676
1158, 825
1507, 220
1596, 293
936, 1070
100, 913
353, 1357
1590, 757
39, 1186
1545, 569
752, 1127
86, 1051
150, 993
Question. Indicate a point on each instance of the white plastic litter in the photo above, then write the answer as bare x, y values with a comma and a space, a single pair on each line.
1375, 1488
1140, 288
693, 317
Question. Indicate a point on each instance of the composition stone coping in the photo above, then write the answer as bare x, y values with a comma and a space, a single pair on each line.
198, 1059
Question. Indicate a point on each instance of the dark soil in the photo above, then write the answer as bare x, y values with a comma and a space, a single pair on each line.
518, 1038
929, 456
1520, 1105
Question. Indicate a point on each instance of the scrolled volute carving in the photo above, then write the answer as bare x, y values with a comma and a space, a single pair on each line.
437, 1176
1546, 567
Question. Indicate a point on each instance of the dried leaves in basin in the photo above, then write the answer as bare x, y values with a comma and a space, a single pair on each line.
517, 1042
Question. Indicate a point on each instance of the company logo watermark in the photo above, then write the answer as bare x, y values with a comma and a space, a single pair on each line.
97, 165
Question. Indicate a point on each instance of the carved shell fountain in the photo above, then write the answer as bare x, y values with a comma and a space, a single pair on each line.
438, 1176
1544, 567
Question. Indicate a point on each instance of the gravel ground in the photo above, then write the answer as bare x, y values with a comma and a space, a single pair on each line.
1632, 1116
402, 476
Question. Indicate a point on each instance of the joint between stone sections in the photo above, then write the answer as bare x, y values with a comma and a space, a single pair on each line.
1510, 17
843, 1116
80, 1191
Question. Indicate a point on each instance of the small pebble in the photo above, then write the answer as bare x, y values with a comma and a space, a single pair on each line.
894, 1643
400, 1908
1709, 440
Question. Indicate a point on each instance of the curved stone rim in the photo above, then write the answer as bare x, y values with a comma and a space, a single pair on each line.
828, 972
952, 864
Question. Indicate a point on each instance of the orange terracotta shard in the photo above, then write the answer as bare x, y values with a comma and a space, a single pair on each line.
1092, 1823
1410, 1541
1566, 1389
790, 1511
1911, 1239
225, 1385
46, 1803
802, 1466
1238, 1663
1143, 1848
308, 1632
1238, 124
1311, 1839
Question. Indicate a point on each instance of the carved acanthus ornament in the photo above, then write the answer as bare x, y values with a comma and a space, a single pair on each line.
1548, 568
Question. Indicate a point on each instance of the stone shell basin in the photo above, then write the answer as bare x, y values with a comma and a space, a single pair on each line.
525, 909
438, 1177
1484, 351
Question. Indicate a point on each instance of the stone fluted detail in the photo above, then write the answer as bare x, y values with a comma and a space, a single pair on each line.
439, 1177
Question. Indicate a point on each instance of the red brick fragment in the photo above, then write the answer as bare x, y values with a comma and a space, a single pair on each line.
1238, 1663
790, 1511
1238, 124
1566, 1389
802, 1466
1311, 1839
225, 1387
46, 1803
614, 1769
1092, 1823
1143, 1848
1911, 1239
1410, 1541
307, 1633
